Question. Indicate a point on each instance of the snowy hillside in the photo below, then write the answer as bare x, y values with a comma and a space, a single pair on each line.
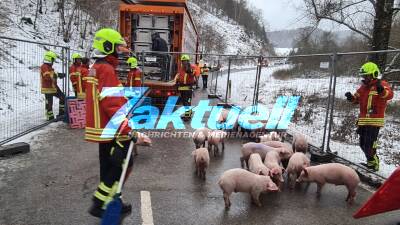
47, 24
234, 36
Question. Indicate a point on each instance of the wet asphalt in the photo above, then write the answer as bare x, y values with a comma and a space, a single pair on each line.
53, 185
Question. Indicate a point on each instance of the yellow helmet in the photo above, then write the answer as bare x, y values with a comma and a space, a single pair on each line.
76, 56
132, 62
50, 57
185, 57
106, 39
370, 69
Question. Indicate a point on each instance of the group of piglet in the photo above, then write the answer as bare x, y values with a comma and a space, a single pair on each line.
201, 155
266, 163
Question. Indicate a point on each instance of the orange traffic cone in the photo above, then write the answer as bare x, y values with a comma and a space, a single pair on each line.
385, 199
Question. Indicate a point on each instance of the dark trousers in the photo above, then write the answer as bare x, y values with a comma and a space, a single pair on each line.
368, 140
49, 103
186, 97
205, 80
111, 157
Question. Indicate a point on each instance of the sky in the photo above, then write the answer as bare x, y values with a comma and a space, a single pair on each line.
287, 14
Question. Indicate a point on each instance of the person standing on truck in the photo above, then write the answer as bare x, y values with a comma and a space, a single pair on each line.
372, 97
135, 74
160, 45
99, 111
49, 87
75, 75
185, 79
204, 75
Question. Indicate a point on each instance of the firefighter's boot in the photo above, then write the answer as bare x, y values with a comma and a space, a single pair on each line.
61, 110
376, 162
96, 209
49, 115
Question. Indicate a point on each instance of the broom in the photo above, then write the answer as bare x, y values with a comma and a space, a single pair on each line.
112, 215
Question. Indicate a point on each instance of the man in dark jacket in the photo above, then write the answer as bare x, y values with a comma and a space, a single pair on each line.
159, 44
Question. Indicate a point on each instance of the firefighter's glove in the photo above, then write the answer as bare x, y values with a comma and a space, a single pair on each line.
379, 88
61, 75
134, 136
349, 96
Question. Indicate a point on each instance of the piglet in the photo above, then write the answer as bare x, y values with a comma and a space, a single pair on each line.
202, 161
333, 173
215, 138
297, 163
240, 180
300, 143
257, 166
252, 147
273, 163
265, 138
273, 136
142, 140
200, 137
223, 116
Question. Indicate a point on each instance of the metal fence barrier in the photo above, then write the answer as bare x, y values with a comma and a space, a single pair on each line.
22, 106
324, 115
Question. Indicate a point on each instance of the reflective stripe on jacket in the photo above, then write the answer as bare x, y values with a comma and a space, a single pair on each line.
134, 78
76, 75
99, 110
205, 71
372, 104
48, 79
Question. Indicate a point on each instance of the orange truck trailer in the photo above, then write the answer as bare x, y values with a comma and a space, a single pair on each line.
171, 19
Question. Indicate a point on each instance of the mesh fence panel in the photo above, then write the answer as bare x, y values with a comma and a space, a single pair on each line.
22, 106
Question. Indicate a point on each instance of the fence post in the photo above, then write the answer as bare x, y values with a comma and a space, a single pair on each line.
216, 80
334, 61
259, 78
255, 83
227, 79
328, 104
210, 87
67, 69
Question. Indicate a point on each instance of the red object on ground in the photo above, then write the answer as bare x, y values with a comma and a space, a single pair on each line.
385, 199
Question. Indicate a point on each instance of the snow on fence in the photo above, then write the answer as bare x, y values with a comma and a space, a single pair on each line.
22, 106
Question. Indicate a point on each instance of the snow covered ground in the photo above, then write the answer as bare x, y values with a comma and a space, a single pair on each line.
310, 118
283, 51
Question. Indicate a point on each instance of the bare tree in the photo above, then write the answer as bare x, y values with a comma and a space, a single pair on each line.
372, 19
39, 9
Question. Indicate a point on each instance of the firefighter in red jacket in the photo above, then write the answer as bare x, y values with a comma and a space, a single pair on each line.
49, 87
99, 111
372, 97
185, 79
84, 71
75, 75
135, 74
